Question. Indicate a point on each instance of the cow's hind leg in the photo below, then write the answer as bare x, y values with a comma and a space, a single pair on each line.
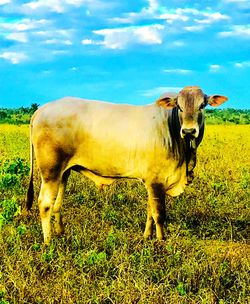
47, 197
149, 224
58, 224
156, 210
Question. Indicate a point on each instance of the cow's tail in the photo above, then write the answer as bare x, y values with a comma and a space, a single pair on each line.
30, 193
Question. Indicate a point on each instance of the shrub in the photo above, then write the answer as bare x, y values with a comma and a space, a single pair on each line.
8, 210
12, 171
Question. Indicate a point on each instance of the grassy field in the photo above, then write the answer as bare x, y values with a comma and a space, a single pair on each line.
102, 257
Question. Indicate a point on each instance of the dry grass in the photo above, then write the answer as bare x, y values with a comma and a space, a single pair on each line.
102, 257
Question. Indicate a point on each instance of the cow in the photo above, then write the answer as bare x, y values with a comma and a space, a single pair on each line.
155, 143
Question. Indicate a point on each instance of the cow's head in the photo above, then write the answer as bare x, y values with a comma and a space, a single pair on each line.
190, 102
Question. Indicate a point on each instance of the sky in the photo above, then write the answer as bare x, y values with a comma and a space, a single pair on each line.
123, 51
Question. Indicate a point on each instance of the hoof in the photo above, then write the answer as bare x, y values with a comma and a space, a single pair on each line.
147, 236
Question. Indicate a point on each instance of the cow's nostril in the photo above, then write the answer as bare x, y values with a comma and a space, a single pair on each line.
190, 131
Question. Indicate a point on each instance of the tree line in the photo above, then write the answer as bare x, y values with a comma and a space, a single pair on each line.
22, 115
227, 116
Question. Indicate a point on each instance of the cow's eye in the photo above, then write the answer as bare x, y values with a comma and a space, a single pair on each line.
202, 106
179, 108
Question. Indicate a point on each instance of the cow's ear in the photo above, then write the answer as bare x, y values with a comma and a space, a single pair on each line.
216, 100
166, 102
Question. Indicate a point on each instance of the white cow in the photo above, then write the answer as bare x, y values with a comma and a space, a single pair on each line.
155, 143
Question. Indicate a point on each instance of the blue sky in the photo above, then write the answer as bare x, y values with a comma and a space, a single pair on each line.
123, 51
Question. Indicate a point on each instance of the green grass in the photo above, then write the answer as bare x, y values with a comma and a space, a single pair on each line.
102, 257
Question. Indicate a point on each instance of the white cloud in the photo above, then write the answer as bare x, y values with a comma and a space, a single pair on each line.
91, 42
47, 72
241, 31
156, 92
52, 5
20, 37
177, 71
189, 19
178, 15
87, 41
61, 6
56, 32
2, 2
149, 34
153, 5
13, 57
238, 65
242, 64
146, 12
236, 1
152, 11
114, 38
172, 17
75, 2
119, 38
245, 4
214, 68
67, 42
197, 20
58, 41
194, 28
178, 43
212, 17
191, 11
155, 11
24, 25
56, 36
60, 52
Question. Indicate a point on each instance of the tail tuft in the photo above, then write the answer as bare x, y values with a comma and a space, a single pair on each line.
30, 195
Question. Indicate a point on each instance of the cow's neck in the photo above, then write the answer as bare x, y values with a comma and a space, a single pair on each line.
184, 150
178, 146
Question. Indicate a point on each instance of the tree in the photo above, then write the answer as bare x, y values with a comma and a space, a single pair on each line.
23, 110
3, 115
33, 107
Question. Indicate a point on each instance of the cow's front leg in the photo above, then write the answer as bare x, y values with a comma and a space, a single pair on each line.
156, 210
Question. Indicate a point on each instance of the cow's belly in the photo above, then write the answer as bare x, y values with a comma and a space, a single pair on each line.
104, 164
98, 180
111, 161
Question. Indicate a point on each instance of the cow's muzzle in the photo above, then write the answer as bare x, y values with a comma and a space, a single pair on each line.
189, 132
